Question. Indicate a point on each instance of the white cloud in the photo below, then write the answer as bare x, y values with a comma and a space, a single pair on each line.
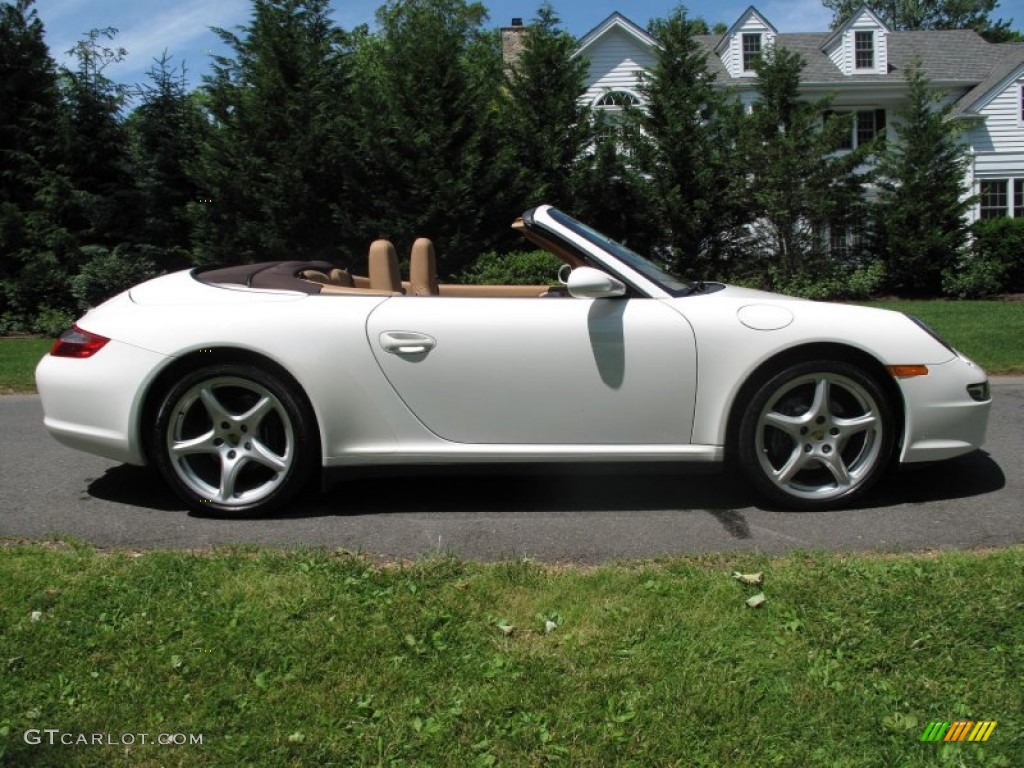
174, 29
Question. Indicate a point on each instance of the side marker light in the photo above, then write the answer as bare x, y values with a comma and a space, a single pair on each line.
906, 371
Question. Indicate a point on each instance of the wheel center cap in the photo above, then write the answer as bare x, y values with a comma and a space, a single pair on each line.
818, 434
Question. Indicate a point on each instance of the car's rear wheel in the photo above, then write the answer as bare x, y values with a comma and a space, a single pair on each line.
816, 435
233, 440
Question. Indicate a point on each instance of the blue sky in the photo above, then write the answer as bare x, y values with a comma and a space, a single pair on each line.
148, 27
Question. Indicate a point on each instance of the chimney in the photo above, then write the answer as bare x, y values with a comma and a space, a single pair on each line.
512, 39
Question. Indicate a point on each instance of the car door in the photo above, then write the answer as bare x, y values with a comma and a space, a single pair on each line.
540, 370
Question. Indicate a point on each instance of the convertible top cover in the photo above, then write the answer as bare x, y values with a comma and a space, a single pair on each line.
269, 275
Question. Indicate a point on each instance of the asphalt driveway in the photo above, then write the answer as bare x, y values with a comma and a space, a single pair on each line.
585, 515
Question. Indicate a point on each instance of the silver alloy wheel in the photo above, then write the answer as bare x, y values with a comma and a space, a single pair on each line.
819, 436
230, 441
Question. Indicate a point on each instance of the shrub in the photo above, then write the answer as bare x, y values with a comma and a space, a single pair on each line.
1002, 241
517, 268
974, 277
51, 321
840, 282
108, 272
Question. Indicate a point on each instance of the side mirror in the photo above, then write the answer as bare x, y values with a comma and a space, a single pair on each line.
590, 283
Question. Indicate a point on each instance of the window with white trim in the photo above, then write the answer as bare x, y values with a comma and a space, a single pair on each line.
867, 125
751, 50
993, 198
845, 242
864, 50
870, 125
610, 115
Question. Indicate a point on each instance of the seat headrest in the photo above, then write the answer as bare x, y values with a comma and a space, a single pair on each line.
383, 267
423, 269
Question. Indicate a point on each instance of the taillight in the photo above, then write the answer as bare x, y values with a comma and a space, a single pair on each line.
75, 342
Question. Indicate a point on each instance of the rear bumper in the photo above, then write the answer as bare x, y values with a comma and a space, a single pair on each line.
942, 419
91, 404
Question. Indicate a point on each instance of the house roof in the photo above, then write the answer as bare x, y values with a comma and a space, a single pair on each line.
615, 21
948, 57
841, 30
1009, 68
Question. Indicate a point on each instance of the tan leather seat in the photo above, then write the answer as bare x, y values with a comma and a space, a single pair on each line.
314, 276
342, 278
384, 267
423, 269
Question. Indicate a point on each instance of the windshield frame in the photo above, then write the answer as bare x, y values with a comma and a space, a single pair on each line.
669, 283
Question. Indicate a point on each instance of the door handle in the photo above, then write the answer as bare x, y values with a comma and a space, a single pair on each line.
406, 342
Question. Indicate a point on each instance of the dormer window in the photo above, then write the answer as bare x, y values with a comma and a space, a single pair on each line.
864, 50
751, 51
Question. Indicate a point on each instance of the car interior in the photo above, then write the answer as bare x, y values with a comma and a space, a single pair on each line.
383, 277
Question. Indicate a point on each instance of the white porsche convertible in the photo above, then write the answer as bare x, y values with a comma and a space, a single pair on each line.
240, 384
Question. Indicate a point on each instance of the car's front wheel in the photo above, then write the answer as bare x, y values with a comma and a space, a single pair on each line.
816, 435
233, 440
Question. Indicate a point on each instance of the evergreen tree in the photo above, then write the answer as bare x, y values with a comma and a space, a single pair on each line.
167, 130
428, 138
272, 173
923, 197
33, 191
796, 184
98, 158
686, 151
613, 193
548, 128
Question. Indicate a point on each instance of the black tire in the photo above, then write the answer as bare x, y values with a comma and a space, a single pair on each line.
817, 435
223, 455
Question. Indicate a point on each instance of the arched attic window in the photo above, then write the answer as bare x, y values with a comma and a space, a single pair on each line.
613, 100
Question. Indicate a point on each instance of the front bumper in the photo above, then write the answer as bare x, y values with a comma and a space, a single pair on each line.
942, 419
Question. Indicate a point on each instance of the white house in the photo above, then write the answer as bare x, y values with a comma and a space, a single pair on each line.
862, 65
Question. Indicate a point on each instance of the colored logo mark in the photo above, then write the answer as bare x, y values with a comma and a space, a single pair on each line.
960, 730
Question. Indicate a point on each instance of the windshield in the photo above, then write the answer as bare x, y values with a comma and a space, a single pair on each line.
668, 282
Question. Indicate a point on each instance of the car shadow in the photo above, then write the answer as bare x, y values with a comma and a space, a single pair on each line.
536, 489
137, 487
973, 474
555, 488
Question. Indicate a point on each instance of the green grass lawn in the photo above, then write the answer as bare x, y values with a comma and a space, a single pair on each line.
18, 359
307, 658
989, 332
